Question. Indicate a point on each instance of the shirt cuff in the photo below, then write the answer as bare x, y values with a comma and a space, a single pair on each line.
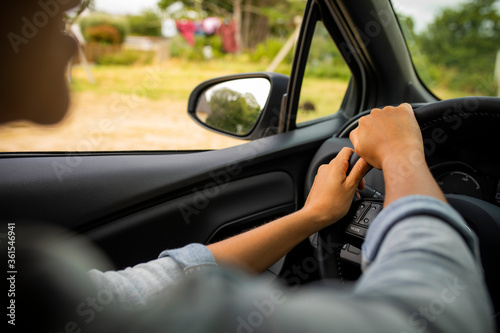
414, 205
191, 258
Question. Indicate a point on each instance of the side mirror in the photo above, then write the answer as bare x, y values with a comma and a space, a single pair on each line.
245, 106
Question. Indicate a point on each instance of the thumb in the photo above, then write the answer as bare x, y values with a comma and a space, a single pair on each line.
357, 173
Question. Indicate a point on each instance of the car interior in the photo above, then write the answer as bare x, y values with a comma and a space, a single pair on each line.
132, 205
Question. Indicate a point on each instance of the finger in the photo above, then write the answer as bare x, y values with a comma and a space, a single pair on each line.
340, 163
343, 156
321, 170
406, 106
345, 153
353, 136
357, 173
361, 185
409, 108
374, 113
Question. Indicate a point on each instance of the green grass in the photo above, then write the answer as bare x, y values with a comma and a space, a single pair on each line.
174, 80
325, 94
177, 78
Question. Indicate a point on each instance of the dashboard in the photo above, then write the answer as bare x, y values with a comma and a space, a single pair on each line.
456, 177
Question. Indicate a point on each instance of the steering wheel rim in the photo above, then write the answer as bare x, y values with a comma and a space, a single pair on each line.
483, 217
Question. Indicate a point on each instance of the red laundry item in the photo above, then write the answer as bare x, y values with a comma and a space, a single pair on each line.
228, 35
187, 29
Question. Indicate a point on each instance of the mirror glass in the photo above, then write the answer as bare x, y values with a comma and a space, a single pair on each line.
233, 106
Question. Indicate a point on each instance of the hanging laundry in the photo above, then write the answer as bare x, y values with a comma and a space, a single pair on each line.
210, 25
228, 36
199, 29
187, 29
169, 28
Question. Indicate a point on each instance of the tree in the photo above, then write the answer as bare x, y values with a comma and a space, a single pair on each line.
465, 39
232, 111
148, 23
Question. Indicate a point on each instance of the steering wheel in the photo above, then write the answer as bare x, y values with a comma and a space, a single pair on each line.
441, 123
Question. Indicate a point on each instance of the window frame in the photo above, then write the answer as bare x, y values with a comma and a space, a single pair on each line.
329, 15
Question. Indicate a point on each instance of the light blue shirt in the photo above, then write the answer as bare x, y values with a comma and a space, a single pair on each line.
422, 274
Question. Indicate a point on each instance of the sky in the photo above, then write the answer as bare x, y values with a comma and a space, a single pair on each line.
422, 11
258, 86
125, 6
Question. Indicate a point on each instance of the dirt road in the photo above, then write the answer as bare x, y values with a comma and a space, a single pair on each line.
115, 122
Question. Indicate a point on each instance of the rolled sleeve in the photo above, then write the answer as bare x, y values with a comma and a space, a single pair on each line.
191, 258
415, 205
147, 282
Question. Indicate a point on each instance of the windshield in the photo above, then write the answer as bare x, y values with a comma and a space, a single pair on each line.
455, 45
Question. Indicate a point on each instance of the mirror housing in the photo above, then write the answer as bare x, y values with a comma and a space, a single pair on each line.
265, 117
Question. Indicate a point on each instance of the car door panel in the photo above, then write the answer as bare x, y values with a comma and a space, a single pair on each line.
205, 214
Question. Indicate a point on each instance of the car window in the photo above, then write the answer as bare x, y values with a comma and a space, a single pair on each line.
326, 78
138, 64
455, 45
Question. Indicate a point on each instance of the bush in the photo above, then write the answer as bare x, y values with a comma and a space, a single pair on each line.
267, 50
333, 67
325, 60
179, 48
99, 19
460, 80
127, 57
103, 34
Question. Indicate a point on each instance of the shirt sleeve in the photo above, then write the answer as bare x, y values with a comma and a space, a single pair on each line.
144, 283
414, 205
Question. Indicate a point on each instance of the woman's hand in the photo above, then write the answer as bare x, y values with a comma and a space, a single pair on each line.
332, 192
